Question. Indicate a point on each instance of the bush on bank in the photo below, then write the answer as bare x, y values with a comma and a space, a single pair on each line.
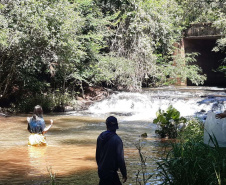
190, 161
66, 45
169, 122
50, 102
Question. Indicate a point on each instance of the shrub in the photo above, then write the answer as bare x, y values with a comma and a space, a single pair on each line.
194, 130
194, 163
168, 122
28, 103
49, 102
190, 161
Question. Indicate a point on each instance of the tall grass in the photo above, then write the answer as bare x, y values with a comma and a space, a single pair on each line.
52, 176
191, 162
142, 175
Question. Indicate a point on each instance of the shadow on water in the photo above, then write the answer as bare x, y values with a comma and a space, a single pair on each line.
26, 165
72, 139
77, 142
70, 152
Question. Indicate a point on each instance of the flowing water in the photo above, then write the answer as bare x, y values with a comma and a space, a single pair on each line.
70, 153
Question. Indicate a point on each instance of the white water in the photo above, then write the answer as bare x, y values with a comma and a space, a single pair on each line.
72, 139
190, 101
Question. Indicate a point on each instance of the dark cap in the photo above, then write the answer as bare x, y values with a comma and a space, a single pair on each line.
112, 123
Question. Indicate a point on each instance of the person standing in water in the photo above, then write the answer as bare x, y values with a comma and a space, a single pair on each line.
37, 128
110, 155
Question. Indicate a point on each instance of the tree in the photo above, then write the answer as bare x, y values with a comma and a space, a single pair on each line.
220, 23
143, 41
49, 45
44, 42
212, 11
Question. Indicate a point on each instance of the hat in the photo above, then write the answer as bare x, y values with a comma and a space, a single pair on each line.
112, 123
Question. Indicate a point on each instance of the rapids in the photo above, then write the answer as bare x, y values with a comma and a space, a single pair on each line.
70, 153
190, 101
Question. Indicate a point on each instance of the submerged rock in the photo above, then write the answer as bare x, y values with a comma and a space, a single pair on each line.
144, 135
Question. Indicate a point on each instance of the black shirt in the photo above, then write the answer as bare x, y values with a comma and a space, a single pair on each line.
110, 154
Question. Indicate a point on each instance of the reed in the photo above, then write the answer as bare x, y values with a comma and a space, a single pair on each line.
194, 130
52, 176
142, 175
193, 162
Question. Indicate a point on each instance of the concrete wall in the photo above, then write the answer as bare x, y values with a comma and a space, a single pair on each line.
208, 60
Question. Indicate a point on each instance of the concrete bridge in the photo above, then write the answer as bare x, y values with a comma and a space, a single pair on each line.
202, 38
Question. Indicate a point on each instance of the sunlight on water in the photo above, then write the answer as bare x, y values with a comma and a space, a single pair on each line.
143, 106
70, 151
72, 139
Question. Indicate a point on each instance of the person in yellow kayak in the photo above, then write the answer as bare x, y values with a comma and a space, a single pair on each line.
37, 127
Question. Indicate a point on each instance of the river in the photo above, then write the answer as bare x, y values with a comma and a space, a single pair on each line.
70, 153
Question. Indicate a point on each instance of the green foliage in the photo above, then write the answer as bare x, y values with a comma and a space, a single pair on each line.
144, 37
61, 100
40, 38
168, 122
49, 101
112, 6
196, 11
193, 162
190, 161
28, 103
48, 45
146, 29
119, 71
220, 24
194, 130
169, 70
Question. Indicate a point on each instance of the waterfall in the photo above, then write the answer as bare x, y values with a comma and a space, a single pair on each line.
189, 101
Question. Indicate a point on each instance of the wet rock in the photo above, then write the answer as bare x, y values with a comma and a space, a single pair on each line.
95, 93
2, 114
59, 109
121, 114
144, 135
91, 95
68, 108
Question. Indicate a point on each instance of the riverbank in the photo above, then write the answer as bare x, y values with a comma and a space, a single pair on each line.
59, 103
126, 103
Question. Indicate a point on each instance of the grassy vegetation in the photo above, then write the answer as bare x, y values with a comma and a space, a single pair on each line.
142, 175
190, 161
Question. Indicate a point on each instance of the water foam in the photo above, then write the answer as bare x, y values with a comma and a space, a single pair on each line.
143, 106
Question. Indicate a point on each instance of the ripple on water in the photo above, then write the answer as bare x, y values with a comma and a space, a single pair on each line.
72, 139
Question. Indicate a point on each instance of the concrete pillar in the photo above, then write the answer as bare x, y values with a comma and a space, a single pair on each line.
180, 52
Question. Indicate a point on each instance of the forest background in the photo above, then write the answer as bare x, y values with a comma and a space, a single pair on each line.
52, 50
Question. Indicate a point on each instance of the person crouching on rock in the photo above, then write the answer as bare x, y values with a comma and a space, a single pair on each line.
37, 128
